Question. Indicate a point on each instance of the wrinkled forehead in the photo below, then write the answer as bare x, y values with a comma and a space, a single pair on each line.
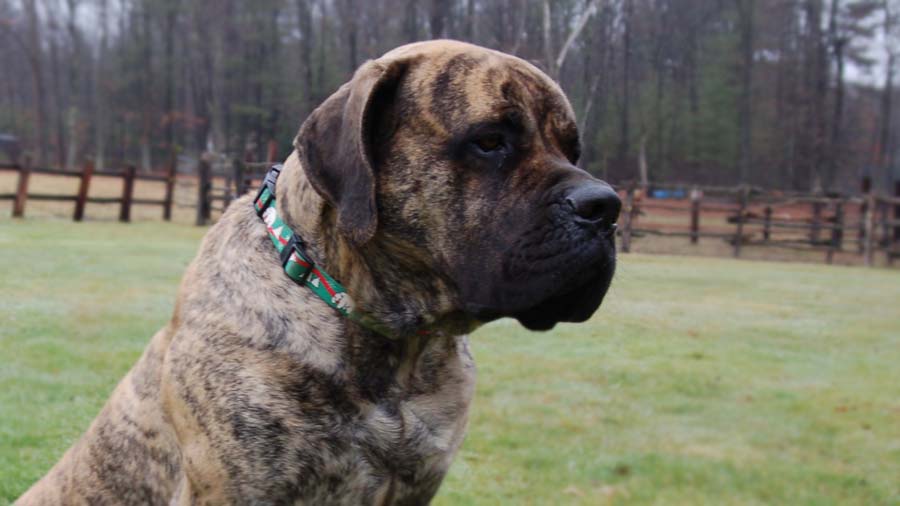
458, 89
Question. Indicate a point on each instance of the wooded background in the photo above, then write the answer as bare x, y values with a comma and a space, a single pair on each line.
794, 94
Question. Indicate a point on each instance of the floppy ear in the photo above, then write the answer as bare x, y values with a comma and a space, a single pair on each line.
335, 147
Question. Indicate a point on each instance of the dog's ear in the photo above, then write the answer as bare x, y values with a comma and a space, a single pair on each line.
335, 145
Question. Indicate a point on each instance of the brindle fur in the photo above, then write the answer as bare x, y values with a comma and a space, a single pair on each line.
257, 392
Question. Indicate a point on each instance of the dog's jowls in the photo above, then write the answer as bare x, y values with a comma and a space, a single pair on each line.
439, 187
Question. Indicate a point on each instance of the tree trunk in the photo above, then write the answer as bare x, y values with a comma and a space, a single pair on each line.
576, 31
304, 22
58, 103
74, 93
745, 98
411, 21
38, 85
836, 43
437, 21
642, 163
884, 153
72, 146
887, 93
660, 70
146, 41
219, 111
818, 126
837, 148
548, 41
171, 18
626, 82
470, 20
352, 32
99, 98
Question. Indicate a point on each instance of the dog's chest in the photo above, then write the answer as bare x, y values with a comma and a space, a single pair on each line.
392, 440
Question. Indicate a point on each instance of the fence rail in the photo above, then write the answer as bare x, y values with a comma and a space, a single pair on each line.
81, 198
875, 219
740, 215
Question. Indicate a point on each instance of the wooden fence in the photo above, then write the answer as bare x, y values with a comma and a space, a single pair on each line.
238, 177
81, 198
216, 186
741, 215
757, 217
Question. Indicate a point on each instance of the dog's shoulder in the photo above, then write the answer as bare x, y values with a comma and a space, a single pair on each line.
237, 306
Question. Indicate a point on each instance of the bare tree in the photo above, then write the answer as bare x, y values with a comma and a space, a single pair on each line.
34, 50
555, 63
746, 12
884, 149
718, 92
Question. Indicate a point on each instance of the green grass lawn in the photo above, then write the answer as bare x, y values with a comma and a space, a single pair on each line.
700, 381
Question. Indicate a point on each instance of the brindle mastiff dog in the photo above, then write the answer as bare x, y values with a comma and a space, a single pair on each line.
439, 186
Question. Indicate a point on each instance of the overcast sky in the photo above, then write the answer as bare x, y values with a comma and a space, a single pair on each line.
873, 48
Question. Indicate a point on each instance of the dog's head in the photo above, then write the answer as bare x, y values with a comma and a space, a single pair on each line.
460, 161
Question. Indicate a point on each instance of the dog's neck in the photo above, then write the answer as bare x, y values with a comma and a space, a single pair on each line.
380, 276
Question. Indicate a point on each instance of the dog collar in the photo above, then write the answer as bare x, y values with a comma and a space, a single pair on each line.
299, 266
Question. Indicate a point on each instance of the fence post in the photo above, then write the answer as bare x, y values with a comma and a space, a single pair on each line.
816, 227
837, 231
767, 223
240, 186
22, 189
87, 171
207, 209
839, 223
271, 151
696, 194
170, 186
897, 212
628, 215
869, 230
863, 212
742, 208
127, 194
861, 233
893, 240
203, 203
226, 194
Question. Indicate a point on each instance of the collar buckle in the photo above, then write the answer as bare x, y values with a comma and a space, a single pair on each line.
295, 245
268, 184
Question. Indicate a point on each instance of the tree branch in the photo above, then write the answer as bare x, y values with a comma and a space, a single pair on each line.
579, 26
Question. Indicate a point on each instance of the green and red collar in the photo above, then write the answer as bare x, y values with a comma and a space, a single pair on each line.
299, 266
296, 262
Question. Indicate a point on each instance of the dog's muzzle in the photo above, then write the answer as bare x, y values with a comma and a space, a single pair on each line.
560, 268
573, 286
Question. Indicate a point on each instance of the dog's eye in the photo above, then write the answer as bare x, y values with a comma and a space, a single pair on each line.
490, 143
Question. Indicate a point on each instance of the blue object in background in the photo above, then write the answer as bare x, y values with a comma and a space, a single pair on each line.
668, 194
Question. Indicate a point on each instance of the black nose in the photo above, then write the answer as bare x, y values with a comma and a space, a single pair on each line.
595, 202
